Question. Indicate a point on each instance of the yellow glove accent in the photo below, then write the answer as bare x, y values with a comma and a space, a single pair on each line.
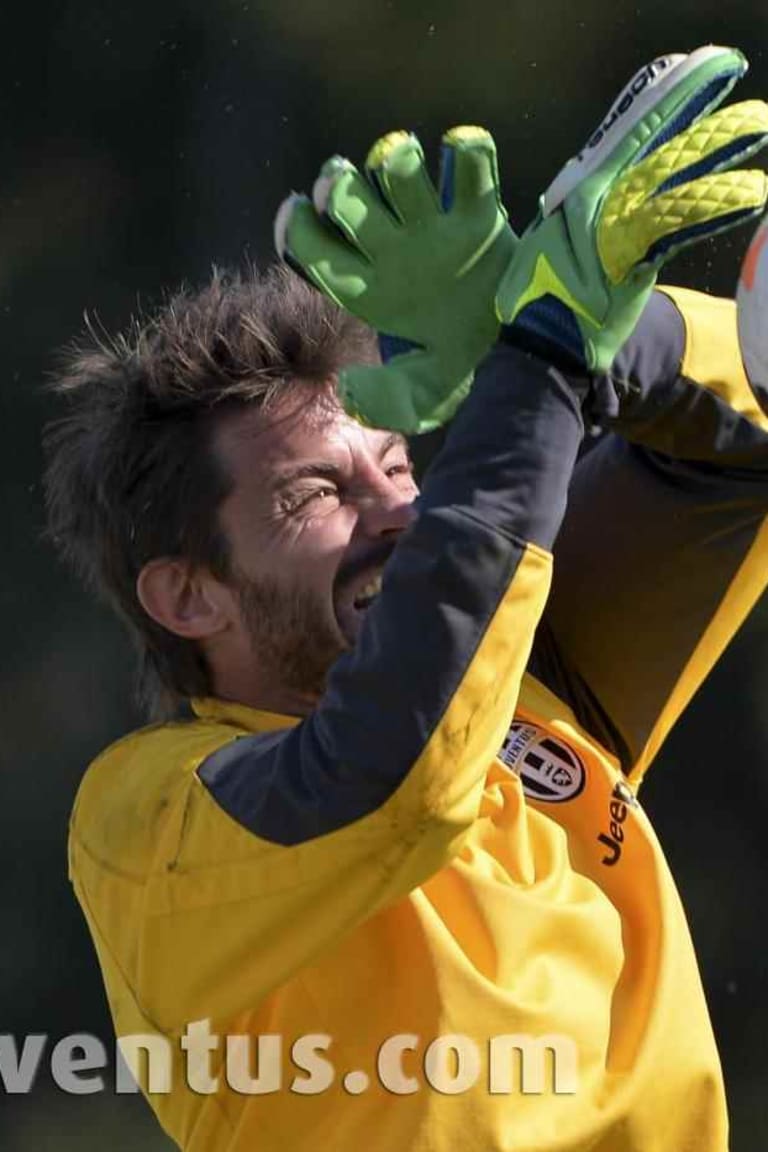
634, 217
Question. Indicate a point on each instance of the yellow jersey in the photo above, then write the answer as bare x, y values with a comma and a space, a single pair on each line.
433, 915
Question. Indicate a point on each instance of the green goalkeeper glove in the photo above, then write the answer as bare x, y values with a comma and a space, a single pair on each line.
419, 265
649, 182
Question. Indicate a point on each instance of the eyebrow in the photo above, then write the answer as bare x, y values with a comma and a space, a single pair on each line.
327, 470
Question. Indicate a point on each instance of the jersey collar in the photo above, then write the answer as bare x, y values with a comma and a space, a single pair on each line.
241, 715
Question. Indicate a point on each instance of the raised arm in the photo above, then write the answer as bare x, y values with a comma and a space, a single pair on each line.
664, 550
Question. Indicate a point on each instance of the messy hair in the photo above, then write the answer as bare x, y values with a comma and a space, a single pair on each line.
131, 472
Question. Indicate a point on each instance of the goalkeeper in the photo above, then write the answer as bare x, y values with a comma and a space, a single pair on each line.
435, 839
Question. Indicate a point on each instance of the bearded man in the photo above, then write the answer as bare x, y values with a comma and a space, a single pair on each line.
396, 851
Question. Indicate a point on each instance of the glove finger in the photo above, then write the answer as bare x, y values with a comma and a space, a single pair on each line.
346, 199
699, 84
468, 169
402, 395
661, 100
317, 253
686, 213
720, 141
396, 168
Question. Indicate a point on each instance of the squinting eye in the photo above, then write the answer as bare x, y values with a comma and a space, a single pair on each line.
405, 469
317, 496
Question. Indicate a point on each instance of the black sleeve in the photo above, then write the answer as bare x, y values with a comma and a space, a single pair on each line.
469, 578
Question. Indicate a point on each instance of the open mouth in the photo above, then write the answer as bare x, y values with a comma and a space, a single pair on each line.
357, 585
366, 595
353, 600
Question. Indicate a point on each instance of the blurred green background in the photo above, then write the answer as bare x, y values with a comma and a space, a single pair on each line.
140, 144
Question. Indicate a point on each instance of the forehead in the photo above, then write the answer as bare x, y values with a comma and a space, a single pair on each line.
305, 425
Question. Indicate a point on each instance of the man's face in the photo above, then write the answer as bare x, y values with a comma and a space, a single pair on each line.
317, 506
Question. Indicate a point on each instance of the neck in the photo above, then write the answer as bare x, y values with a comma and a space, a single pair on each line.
251, 690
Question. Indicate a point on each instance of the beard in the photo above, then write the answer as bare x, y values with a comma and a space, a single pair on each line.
291, 634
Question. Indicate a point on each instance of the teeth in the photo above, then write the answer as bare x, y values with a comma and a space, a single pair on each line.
371, 589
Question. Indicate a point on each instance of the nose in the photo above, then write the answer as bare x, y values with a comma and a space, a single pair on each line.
385, 510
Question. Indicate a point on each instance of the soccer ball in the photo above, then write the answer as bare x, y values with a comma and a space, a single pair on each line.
752, 308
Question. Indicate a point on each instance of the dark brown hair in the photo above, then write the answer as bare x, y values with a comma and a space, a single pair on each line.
131, 474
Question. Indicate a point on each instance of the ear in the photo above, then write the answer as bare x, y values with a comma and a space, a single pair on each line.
188, 602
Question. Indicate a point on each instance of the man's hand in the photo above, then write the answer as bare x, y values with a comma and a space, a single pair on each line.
419, 265
422, 267
649, 181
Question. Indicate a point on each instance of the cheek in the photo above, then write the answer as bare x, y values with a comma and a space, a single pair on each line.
307, 549
318, 542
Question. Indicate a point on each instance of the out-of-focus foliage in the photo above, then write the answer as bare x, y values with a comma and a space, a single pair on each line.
141, 143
